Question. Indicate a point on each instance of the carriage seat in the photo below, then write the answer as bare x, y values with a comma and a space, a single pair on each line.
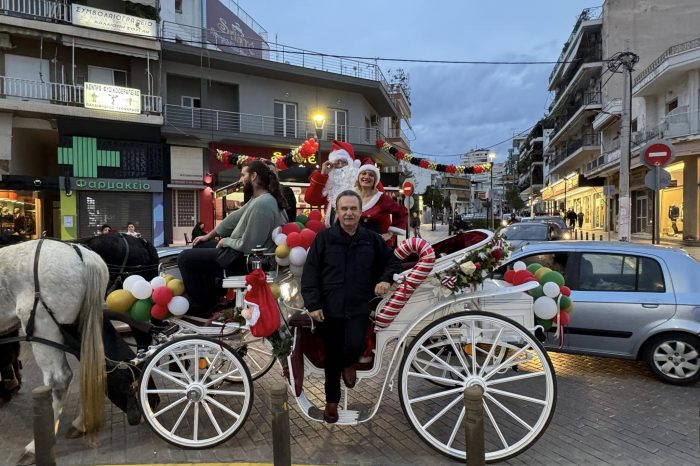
449, 246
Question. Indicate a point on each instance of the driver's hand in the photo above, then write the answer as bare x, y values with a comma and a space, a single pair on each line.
317, 315
382, 288
220, 244
197, 240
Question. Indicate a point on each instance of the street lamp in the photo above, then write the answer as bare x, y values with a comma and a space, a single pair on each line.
491, 156
319, 121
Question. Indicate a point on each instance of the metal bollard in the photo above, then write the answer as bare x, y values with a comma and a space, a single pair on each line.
44, 435
281, 450
586, 236
576, 234
601, 238
474, 427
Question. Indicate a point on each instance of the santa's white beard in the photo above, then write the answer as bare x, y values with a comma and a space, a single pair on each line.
339, 180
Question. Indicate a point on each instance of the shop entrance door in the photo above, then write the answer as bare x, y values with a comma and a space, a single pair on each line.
642, 210
115, 209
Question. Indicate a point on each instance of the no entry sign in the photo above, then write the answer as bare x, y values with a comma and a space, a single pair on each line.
407, 188
657, 153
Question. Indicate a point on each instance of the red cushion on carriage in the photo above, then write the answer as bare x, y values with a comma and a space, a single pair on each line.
458, 242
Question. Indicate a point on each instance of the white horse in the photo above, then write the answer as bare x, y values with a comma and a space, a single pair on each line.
72, 288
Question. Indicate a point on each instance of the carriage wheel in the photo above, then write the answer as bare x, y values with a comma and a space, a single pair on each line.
256, 352
184, 397
519, 391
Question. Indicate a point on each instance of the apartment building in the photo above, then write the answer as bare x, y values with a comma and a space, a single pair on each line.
528, 162
226, 87
80, 117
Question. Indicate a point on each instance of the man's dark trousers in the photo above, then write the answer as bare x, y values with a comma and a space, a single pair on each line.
345, 342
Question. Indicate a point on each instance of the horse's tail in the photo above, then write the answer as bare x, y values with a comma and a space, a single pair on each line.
92, 355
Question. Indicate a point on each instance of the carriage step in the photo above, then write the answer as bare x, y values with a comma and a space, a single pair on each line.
346, 417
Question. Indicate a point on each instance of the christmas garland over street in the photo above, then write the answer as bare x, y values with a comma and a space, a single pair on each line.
294, 157
429, 165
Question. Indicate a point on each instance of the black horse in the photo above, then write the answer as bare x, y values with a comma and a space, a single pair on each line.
124, 255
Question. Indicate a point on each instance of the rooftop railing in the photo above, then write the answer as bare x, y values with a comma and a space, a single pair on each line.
589, 14
46, 10
673, 50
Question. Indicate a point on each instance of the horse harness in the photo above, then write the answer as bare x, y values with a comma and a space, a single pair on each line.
71, 345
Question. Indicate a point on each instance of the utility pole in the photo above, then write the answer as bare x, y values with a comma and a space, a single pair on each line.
626, 60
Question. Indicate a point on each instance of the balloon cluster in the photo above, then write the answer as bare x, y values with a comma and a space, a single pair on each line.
294, 239
142, 299
553, 302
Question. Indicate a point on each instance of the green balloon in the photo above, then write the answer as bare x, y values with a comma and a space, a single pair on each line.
552, 276
564, 302
301, 218
532, 268
546, 324
301, 225
141, 310
536, 292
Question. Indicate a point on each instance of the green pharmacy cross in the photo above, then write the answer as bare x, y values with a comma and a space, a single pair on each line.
85, 158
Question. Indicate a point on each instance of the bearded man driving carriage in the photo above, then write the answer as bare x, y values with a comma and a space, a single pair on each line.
346, 267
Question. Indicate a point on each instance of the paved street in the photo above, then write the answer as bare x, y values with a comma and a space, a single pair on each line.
608, 412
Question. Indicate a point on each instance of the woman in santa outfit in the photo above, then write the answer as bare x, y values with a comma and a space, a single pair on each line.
379, 211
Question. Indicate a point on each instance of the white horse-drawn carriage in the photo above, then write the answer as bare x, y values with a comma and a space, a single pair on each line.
196, 390
196, 381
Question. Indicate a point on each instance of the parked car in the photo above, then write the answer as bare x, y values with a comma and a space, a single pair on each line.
519, 234
557, 220
507, 219
630, 301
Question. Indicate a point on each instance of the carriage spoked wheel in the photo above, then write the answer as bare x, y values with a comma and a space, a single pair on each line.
195, 407
255, 351
519, 390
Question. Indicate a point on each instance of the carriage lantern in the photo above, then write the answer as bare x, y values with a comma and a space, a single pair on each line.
256, 259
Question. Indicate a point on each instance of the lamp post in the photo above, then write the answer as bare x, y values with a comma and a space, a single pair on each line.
491, 157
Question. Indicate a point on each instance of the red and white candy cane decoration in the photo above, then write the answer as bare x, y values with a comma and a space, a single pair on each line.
426, 260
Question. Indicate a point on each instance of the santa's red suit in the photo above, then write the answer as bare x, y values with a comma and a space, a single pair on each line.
382, 213
324, 189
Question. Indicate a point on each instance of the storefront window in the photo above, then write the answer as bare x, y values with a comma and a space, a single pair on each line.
671, 212
587, 210
599, 212
18, 214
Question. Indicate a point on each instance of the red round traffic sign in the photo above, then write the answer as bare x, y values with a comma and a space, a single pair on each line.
657, 153
407, 188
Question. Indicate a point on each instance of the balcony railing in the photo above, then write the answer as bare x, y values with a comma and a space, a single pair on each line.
45, 10
61, 94
207, 119
673, 50
678, 124
589, 98
589, 14
567, 149
210, 39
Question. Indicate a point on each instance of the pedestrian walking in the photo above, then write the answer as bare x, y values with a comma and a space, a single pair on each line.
415, 224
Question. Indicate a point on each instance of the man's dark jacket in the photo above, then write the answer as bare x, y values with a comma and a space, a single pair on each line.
341, 271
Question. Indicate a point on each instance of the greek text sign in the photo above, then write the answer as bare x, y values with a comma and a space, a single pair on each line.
112, 21
112, 98
108, 184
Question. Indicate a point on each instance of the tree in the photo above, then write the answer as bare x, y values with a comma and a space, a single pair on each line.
514, 200
433, 197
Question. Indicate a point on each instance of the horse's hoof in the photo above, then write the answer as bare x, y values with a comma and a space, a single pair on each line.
74, 433
27, 459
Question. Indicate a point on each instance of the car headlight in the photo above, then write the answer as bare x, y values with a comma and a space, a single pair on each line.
567, 236
504, 223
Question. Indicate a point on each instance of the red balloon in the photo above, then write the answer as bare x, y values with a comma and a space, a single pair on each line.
293, 239
162, 295
315, 215
522, 276
510, 273
563, 317
565, 290
307, 238
315, 226
290, 227
159, 311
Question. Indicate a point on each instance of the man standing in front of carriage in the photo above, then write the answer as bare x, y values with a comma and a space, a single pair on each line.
347, 265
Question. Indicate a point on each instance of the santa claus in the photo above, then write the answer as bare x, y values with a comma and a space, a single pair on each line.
380, 212
336, 175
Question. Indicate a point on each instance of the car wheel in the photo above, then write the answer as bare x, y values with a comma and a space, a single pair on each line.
674, 358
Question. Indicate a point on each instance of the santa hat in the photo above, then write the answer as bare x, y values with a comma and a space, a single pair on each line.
341, 150
369, 166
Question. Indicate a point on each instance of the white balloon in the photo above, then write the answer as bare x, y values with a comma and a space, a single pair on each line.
275, 232
281, 238
282, 261
131, 280
296, 270
551, 289
520, 265
141, 290
545, 307
178, 305
158, 282
297, 256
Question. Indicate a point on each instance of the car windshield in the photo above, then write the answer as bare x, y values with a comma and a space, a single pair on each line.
525, 231
556, 220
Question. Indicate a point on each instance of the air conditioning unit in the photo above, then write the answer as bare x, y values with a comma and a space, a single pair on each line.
374, 120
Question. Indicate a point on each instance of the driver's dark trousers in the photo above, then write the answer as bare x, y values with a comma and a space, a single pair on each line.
345, 342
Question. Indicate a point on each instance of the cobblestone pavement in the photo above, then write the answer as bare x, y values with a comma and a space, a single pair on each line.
608, 412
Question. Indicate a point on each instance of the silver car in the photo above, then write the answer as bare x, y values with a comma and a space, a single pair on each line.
519, 234
631, 301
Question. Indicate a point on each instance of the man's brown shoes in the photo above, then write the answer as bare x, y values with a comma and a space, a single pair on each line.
330, 414
350, 376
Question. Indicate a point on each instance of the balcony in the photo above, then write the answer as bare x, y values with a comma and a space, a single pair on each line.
589, 14
572, 148
41, 10
670, 52
230, 123
211, 39
678, 124
60, 94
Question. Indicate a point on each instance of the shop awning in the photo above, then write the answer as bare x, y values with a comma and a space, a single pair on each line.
101, 46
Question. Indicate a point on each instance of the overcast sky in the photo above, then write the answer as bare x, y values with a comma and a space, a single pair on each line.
455, 107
